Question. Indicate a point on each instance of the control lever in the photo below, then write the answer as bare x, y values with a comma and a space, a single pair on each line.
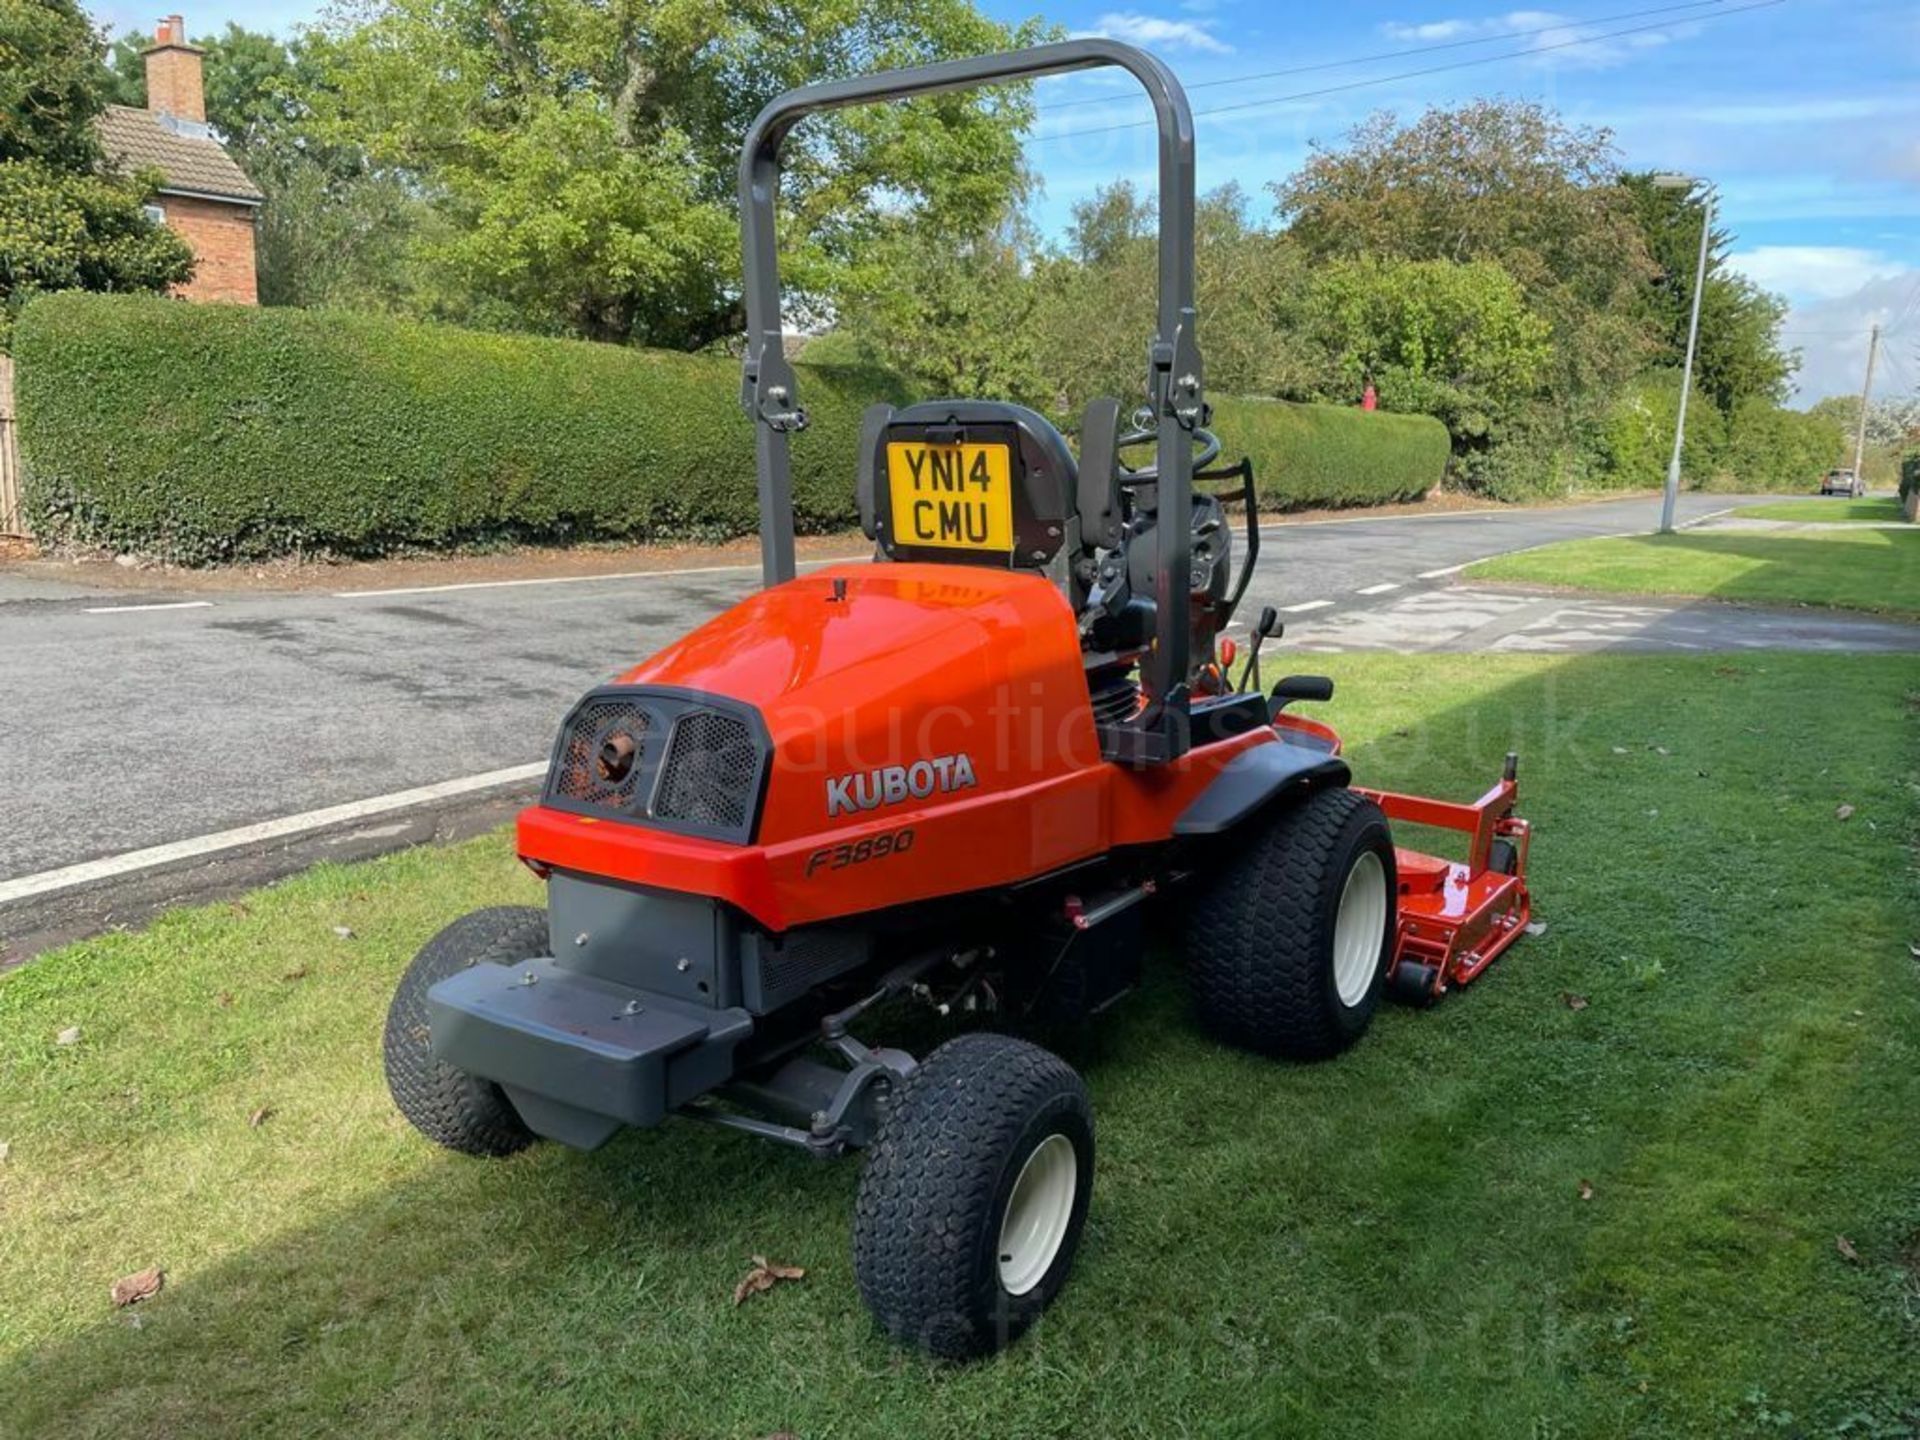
1109, 581
1268, 627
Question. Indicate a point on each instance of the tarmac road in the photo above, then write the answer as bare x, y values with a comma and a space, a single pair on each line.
135, 720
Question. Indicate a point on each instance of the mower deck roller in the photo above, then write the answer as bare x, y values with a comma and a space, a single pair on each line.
956, 777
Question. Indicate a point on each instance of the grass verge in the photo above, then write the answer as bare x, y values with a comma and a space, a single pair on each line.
1872, 570
1830, 510
1391, 1244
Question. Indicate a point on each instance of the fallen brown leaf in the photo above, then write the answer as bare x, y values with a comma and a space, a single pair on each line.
129, 1289
1845, 812
225, 999
299, 972
1845, 1247
1573, 1001
764, 1276
68, 1036
1586, 1189
259, 1117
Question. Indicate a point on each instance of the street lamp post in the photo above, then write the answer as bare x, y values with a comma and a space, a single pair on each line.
1672, 496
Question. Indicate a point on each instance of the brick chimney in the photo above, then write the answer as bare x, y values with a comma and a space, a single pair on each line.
174, 82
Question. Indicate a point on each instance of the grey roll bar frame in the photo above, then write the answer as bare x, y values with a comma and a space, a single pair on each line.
1175, 385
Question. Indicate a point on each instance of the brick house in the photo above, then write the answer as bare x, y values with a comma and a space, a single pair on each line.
204, 195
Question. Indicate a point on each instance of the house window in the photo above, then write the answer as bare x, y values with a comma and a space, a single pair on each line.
156, 213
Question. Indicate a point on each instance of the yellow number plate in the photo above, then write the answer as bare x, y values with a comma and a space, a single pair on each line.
951, 497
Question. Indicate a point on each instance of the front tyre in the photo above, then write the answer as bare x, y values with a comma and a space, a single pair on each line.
1289, 943
449, 1106
974, 1195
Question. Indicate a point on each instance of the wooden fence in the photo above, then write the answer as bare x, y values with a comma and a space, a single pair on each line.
13, 519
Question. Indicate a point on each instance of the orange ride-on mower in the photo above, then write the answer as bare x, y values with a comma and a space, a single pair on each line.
958, 775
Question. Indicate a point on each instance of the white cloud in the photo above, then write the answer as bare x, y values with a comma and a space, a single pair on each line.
1810, 273
1831, 335
1137, 29
1430, 31
1553, 39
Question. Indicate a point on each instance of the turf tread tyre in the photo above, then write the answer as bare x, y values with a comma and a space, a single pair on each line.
449, 1106
933, 1191
1259, 938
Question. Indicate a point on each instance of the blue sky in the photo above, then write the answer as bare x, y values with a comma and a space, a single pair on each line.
1806, 115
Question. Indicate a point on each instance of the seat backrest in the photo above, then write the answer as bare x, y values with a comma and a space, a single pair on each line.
972, 482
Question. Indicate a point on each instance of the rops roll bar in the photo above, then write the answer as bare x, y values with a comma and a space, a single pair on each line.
1174, 375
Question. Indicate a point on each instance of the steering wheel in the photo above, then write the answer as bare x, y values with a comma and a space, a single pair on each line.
1206, 451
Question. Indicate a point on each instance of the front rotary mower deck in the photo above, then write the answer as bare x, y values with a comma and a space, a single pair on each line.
956, 777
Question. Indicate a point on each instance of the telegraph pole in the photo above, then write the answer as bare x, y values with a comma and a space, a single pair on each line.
1866, 394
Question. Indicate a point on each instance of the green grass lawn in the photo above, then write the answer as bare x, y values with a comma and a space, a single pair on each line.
1872, 570
1392, 1244
1830, 509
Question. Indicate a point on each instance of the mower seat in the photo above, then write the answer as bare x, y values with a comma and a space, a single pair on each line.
978, 482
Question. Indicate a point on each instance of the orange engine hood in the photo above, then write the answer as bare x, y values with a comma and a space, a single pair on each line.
871, 702
912, 662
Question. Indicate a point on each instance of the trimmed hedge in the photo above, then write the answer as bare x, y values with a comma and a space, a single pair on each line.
1305, 456
211, 432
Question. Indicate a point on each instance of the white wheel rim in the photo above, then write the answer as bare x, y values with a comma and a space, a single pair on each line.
1038, 1210
1360, 930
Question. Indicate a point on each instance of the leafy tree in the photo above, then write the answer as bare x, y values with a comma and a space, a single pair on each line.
66, 221
1500, 181
1098, 297
1634, 441
958, 318
1771, 448
582, 153
1740, 355
1435, 337
49, 94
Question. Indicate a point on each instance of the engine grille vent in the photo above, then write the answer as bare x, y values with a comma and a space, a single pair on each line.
672, 758
604, 755
710, 773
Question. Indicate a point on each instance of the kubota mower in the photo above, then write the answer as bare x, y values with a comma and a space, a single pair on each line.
958, 775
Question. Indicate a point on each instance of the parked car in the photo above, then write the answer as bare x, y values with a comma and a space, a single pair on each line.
1842, 482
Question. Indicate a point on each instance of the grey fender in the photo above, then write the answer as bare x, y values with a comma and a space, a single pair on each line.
1259, 776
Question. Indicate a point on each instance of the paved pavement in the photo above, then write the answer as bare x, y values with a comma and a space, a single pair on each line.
131, 720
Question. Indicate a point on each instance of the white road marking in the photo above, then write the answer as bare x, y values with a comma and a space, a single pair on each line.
167, 605
1306, 605
1382, 588
113, 866
1377, 519
579, 579
1449, 570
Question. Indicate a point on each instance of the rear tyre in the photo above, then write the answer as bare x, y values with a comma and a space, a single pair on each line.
1288, 944
974, 1195
449, 1106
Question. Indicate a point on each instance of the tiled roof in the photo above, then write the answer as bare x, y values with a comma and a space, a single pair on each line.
187, 154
